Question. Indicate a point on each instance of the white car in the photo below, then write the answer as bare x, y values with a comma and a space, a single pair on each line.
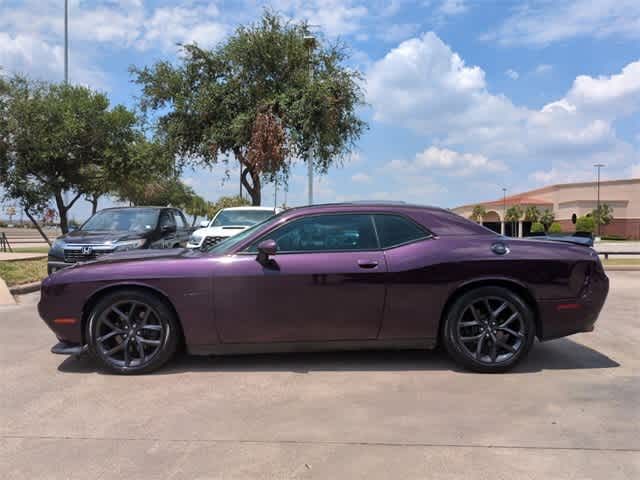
226, 223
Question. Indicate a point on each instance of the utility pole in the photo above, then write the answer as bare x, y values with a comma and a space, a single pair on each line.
66, 41
310, 42
598, 167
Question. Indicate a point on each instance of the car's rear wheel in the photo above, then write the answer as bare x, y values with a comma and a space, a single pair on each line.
489, 329
132, 332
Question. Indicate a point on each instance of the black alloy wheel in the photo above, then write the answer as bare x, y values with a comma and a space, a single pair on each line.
489, 329
132, 332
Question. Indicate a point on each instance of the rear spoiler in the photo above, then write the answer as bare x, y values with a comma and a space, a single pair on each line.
584, 239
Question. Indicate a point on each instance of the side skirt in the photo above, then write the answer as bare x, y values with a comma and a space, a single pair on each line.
327, 346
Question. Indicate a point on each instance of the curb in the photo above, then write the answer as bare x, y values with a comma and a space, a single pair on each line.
622, 268
25, 288
25, 259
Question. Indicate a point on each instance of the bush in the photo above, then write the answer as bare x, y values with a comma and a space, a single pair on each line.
555, 228
585, 224
614, 237
537, 227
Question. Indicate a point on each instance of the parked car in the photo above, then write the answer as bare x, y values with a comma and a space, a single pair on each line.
326, 277
226, 223
120, 229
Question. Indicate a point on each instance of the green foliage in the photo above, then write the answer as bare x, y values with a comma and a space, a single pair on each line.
57, 138
532, 214
537, 227
261, 96
585, 224
604, 215
555, 228
514, 213
229, 202
546, 218
478, 212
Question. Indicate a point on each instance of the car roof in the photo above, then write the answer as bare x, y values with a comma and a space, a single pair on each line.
138, 207
366, 204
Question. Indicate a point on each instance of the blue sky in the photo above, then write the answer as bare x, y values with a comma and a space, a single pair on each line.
464, 97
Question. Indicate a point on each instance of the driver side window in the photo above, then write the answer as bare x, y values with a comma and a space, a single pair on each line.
324, 233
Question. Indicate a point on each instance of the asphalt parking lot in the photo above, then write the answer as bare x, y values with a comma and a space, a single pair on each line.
572, 410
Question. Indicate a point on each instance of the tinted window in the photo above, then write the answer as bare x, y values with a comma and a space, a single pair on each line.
181, 223
129, 219
166, 219
325, 233
396, 230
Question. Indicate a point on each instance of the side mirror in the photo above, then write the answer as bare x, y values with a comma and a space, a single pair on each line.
204, 224
168, 228
266, 249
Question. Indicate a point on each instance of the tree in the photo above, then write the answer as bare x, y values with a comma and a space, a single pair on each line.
537, 227
585, 224
478, 213
546, 218
555, 228
513, 215
55, 139
604, 215
229, 202
263, 96
531, 214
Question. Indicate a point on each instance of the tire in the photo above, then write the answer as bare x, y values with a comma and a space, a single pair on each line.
132, 332
489, 330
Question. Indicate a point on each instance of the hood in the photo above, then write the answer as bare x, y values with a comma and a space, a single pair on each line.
102, 236
222, 231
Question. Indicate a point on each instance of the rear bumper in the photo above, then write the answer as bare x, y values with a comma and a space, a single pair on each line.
559, 318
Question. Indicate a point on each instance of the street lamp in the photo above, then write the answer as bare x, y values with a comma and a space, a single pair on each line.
598, 167
310, 43
504, 210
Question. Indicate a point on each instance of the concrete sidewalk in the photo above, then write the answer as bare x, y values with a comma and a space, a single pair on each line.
10, 257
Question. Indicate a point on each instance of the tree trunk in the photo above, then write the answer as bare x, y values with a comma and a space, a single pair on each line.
37, 225
253, 188
94, 204
62, 212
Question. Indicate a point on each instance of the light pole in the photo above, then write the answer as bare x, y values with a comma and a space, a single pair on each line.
598, 167
310, 43
66, 41
504, 211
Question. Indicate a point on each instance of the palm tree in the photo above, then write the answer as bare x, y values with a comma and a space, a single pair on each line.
531, 214
478, 213
513, 215
547, 218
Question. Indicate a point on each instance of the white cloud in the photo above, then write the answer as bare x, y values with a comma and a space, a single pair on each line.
635, 170
512, 74
543, 69
445, 161
361, 177
544, 22
334, 17
398, 31
425, 86
169, 26
453, 7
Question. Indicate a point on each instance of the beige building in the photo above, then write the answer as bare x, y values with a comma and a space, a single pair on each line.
566, 200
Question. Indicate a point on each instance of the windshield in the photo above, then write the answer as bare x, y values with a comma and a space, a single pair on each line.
130, 219
244, 218
224, 247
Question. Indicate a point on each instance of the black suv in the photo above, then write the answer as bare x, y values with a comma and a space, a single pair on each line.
120, 229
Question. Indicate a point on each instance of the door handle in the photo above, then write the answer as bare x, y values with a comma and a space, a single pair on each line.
367, 263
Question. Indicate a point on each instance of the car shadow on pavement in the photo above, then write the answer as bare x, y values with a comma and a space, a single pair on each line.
561, 354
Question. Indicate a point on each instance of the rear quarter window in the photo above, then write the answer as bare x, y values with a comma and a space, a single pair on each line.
396, 230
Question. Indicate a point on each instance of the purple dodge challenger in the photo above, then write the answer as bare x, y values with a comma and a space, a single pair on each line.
330, 277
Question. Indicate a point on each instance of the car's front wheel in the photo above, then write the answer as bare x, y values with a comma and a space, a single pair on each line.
132, 332
489, 329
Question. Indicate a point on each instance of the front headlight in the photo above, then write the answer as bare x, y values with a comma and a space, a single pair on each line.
57, 248
195, 239
129, 245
